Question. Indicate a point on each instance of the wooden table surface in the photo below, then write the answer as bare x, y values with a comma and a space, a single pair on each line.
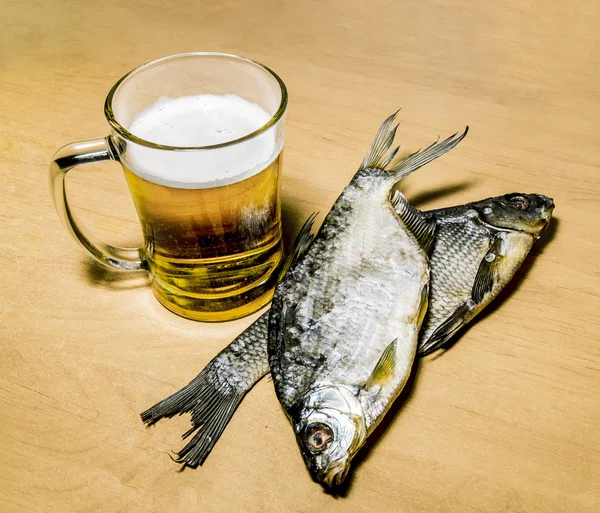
507, 420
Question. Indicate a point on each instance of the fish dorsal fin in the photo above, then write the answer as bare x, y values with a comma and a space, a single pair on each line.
487, 274
380, 156
384, 369
303, 241
418, 225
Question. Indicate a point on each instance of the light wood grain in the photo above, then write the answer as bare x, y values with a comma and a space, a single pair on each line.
508, 420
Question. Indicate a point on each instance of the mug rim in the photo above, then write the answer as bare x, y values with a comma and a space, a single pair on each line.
123, 132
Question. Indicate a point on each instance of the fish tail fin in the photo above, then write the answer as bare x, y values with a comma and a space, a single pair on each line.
182, 401
419, 158
211, 406
213, 395
209, 420
380, 156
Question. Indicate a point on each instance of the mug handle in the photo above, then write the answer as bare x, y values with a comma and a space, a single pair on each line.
67, 158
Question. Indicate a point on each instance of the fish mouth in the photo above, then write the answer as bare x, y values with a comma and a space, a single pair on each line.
546, 215
548, 208
334, 476
549, 204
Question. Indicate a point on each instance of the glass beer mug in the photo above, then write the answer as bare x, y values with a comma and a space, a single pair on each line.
199, 137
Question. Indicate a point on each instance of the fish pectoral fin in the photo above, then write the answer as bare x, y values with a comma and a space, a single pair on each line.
488, 272
380, 156
384, 369
423, 305
418, 225
446, 330
303, 241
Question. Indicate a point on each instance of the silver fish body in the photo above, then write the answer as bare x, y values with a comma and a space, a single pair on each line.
358, 289
344, 321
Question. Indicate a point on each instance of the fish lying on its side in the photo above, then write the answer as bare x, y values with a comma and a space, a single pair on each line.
345, 319
464, 235
478, 248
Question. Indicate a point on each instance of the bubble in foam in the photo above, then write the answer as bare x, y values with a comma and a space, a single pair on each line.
201, 120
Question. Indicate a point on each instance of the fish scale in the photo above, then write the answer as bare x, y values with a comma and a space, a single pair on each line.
453, 276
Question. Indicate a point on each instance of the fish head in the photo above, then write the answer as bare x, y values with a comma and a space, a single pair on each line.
529, 213
330, 429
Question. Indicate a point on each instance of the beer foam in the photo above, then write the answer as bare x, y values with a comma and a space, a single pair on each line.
201, 120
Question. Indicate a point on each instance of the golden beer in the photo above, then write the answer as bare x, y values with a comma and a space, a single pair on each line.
213, 252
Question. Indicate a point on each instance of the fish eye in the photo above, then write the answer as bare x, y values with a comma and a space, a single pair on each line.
317, 437
519, 202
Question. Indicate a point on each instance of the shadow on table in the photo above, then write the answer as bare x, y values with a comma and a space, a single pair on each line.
99, 275
417, 200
